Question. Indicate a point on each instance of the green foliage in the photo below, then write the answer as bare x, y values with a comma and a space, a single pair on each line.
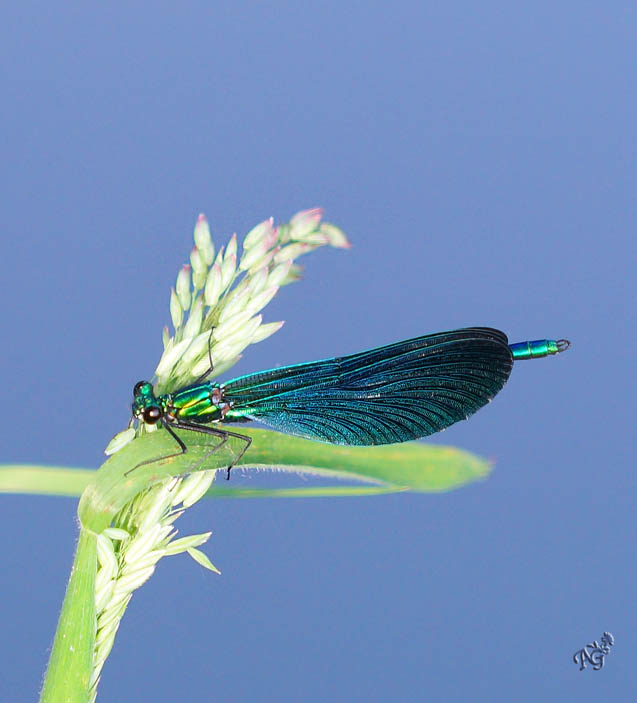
398, 467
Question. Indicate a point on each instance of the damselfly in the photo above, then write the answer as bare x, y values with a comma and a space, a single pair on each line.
395, 393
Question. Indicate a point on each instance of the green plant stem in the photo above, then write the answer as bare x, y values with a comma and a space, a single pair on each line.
71, 660
71, 663
151, 459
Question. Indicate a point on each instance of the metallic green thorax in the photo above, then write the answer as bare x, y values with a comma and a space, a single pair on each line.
201, 403
538, 348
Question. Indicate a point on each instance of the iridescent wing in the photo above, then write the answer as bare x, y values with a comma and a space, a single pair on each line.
395, 393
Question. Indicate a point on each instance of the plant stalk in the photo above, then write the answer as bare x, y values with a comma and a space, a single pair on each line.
71, 661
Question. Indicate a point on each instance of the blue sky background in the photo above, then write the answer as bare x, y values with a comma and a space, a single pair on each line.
481, 157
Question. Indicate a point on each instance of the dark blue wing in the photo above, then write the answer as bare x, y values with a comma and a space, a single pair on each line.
395, 393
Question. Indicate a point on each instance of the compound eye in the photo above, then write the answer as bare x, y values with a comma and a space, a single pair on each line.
152, 414
139, 386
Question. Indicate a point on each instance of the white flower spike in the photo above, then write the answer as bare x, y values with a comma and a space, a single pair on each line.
227, 292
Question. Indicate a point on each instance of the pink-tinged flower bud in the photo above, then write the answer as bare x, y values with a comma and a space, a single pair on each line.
252, 257
291, 251
231, 249
235, 305
279, 273
170, 358
334, 235
258, 280
183, 286
193, 326
203, 240
199, 269
316, 238
305, 222
213, 288
219, 259
228, 269
294, 274
266, 331
283, 233
176, 311
165, 336
262, 299
258, 234
228, 327
264, 262
272, 238
229, 291
234, 343
198, 348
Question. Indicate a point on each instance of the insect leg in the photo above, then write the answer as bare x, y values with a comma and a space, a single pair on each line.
182, 450
202, 429
213, 431
207, 373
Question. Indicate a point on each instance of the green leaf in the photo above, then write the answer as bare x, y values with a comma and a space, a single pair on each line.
407, 466
397, 467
